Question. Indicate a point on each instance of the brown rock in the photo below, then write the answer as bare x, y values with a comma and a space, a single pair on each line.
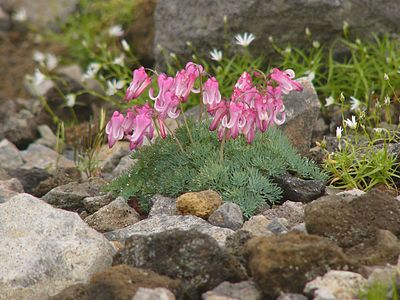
119, 283
200, 204
287, 262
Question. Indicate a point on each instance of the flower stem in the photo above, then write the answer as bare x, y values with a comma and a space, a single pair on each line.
201, 98
175, 138
221, 149
186, 123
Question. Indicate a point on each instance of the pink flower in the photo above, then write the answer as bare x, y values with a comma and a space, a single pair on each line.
167, 105
139, 83
114, 129
218, 112
127, 125
184, 80
249, 130
142, 126
211, 94
236, 119
285, 80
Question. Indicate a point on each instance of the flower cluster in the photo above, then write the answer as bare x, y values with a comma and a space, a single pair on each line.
251, 106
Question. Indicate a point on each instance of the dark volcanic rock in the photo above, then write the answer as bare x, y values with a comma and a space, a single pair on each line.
118, 283
300, 190
285, 263
351, 223
29, 178
191, 256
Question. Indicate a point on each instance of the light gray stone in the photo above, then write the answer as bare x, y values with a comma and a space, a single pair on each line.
291, 296
162, 223
228, 215
44, 250
10, 188
70, 196
350, 194
163, 206
245, 290
93, 204
126, 163
336, 285
292, 211
10, 157
116, 215
278, 226
48, 138
300, 227
39, 156
153, 294
110, 157
257, 226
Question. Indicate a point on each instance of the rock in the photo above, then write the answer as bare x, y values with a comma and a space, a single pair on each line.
71, 195
278, 226
350, 194
351, 223
235, 245
202, 23
43, 13
29, 178
287, 262
292, 211
93, 204
257, 226
300, 190
60, 177
245, 290
10, 157
5, 22
336, 285
200, 204
3, 174
191, 256
382, 248
291, 296
116, 215
109, 158
153, 294
18, 121
41, 157
300, 227
228, 215
126, 164
161, 223
48, 138
73, 71
118, 282
43, 249
163, 206
9, 188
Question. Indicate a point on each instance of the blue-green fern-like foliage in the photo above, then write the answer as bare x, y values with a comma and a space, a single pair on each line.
245, 176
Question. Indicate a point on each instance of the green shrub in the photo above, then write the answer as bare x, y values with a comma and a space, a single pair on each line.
243, 177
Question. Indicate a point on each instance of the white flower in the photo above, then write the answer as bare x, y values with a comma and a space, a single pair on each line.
316, 44
51, 61
288, 50
119, 60
70, 99
351, 123
245, 39
379, 130
125, 46
339, 131
308, 32
216, 54
35, 81
38, 57
114, 86
387, 100
20, 15
92, 70
116, 31
386, 77
38, 78
329, 101
173, 55
355, 103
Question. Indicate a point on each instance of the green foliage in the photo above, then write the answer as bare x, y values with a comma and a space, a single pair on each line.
379, 291
243, 177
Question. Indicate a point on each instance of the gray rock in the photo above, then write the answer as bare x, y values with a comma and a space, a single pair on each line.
39, 156
153, 294
10, 157
336, 285
43, 250
161, 223
257, 226
201, 22
4, 175
5, 21
191, 256
291, 296
350, 194
300, 227
278, 226
70, 196
116, 215
93, 204
162, 206
43, 13
110, 157
29, 178
126, 163
300, 190
292, 211
48, 138
228, 215
245, 290
10, 188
